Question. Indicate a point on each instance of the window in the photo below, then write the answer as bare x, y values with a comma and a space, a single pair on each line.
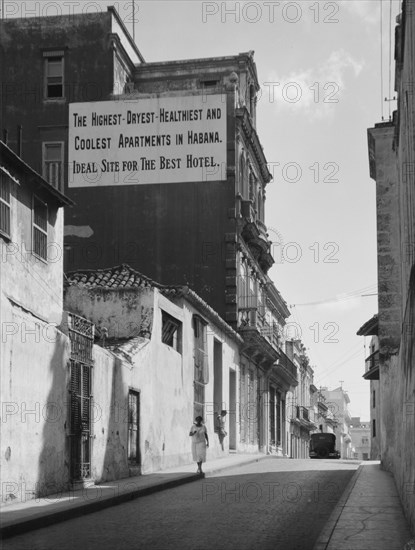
243, 179
40, 228
373, 428
365, 441
4, 205
374, 399
171, 331
53, 164
201, 373
198, 399
54, 82
275, 418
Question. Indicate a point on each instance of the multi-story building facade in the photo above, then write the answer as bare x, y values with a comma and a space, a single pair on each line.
325, 418
392, 161
301, 411
337, 401
34, 348
360, 434
162, 357
165, 166
370, 329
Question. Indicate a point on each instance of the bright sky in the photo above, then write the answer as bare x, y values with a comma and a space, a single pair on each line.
319, 66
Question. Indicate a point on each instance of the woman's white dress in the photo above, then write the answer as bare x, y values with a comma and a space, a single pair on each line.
199, 443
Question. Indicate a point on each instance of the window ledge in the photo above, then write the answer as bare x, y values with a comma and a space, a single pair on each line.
55, 100
43, 260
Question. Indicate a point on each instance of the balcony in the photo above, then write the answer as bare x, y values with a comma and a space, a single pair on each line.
254, 233
250, 318
303, 417
286, 369
262, 344
372, 366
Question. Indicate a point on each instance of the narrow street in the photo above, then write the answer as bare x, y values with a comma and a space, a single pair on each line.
277, 504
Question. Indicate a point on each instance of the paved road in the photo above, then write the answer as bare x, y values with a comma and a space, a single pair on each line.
275, 504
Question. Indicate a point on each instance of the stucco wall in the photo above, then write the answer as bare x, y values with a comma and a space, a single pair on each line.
398, 416
125, 313
34, 378
32, 282
375, 414
162, 376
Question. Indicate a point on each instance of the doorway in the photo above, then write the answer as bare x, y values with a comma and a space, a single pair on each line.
133, 450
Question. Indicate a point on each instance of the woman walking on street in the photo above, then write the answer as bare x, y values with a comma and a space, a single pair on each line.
200, 441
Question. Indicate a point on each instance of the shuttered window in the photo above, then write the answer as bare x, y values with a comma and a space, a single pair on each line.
199, 399
200, 350
171, 331
81, 335
53, 164
40, 228
5, 205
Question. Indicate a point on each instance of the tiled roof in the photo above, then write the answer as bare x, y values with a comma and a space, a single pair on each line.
120, 276
370, 328
124, 276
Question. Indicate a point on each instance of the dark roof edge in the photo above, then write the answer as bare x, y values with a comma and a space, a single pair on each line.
370, 328
14, 157
198, 302
114, 12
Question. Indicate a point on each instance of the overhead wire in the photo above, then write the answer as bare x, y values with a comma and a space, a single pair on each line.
381, 59
330, 370
341, 298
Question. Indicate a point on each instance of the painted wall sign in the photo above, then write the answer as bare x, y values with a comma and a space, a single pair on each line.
142, 141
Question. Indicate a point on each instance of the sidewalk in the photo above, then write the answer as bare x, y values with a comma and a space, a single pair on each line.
36, 513
368, 515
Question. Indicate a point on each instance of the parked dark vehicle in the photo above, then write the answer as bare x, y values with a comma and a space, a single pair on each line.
323, 445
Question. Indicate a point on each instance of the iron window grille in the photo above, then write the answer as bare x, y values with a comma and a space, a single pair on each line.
201, 361
53, 164
40, 228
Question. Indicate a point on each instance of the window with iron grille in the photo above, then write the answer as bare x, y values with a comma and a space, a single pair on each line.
198, 399
200, 350
81, 335
53, 163
53, 75
40, 228
5, 205
171, 331
80, 420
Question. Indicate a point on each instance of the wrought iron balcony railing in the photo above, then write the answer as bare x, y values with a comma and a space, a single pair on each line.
372, 361
252, 318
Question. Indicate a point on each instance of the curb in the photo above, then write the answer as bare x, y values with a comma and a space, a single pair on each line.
19, 527
30, 524
239, 465
327, 532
